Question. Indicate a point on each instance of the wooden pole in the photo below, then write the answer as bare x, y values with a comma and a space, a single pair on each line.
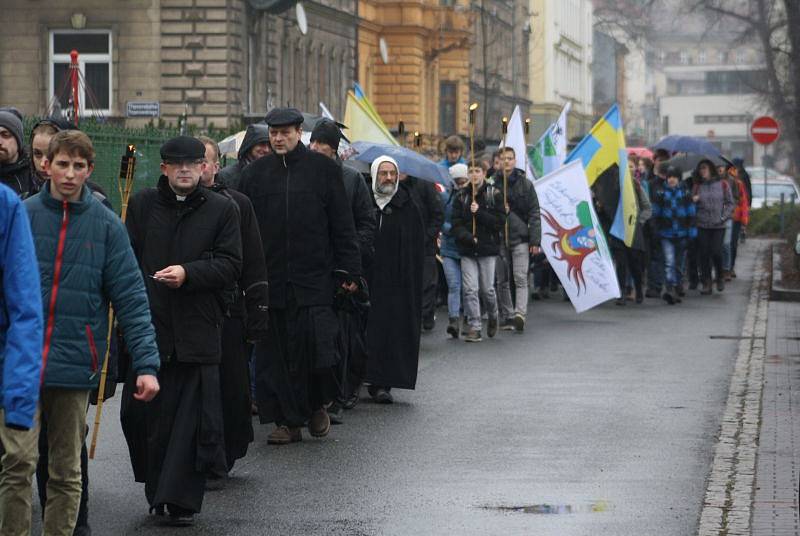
472, 108
124, 185
505, 176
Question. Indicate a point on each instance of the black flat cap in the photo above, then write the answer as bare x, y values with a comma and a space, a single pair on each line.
182, 148
284, 117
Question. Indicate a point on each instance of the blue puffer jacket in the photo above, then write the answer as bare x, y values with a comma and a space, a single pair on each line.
448, 240
85, 260
20, 315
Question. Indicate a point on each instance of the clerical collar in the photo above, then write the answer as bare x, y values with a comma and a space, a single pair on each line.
180, 197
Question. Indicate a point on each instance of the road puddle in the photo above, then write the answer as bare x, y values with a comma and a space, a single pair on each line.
554, 509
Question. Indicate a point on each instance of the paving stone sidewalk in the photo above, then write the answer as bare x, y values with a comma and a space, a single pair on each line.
775, 506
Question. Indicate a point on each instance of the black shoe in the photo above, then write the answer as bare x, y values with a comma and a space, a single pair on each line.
380, 395
653, 293
429, 323
179, 517
720, 284
639, 297
693, 285
668, 297
452, 327
619, 301
491, 327
336, 413
352, 400
679, 290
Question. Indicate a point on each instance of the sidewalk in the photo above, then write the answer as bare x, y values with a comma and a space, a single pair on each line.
775, 510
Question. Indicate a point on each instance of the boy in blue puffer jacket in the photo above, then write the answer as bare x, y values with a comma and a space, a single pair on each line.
20, 364
85, 262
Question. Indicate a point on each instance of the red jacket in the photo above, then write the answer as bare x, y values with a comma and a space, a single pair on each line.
741, 213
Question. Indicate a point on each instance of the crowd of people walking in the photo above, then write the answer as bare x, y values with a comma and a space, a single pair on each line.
279, 285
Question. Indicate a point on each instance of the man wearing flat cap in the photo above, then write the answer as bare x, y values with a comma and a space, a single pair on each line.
188, 244
311, 250
325, 140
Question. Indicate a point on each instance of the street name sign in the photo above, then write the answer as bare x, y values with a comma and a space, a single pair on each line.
143, 109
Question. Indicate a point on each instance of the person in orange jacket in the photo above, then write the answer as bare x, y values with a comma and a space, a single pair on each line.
741, 217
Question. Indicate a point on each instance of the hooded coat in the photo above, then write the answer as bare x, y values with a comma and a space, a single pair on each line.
20, 177
395, 283
231, 176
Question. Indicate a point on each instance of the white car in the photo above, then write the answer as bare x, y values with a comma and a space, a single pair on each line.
774, 188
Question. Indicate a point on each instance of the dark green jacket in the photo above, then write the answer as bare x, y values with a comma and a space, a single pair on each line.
96, 265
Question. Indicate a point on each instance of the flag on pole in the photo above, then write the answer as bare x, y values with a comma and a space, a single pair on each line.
605, 162
516, 140
361, 124
550, 151
572, 238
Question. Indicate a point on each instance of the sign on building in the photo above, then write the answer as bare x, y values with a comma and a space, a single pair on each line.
143, 109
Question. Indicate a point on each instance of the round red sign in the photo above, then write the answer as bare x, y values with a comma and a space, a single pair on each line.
765, 130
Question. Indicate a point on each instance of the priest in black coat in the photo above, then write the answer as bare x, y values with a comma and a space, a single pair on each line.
395, 283
311, 250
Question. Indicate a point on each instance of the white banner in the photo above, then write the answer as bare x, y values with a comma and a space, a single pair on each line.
573, 240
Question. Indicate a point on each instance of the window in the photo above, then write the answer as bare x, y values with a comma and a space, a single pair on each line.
94, 64
740, 56
701, 57
684, 57
447, 107
734, 82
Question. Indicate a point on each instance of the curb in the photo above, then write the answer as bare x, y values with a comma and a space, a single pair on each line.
728, 503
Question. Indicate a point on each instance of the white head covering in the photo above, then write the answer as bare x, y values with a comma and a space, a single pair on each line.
458, 171
383, 199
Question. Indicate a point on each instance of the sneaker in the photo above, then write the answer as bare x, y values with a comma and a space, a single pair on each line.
653, 293
491, 328
473, 336
352, 400
283, 435
452, 327
319, 424
380, 395
507, 325
519, 322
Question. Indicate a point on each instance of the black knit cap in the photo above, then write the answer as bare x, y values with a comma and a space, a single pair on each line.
284, 117
327, 131
182, 148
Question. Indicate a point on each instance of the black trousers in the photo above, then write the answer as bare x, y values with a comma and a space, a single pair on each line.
709, 251
430, 280
627, 260
234, 379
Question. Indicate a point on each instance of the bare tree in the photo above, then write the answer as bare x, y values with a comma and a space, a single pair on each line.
774, 24
632, 19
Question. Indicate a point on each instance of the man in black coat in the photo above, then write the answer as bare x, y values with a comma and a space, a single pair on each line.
188, 243
395, 283
311, 250
325, 140
427, 198
16, 171
478, 220
246, 320
255, 144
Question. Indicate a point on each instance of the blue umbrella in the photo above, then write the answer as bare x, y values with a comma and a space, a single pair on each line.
686, 144
410, 162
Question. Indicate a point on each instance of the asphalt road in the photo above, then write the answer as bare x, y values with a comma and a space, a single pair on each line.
596, 424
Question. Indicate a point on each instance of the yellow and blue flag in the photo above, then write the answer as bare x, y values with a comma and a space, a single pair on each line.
605, 162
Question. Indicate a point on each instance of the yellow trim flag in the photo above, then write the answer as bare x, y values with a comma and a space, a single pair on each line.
602, 152
363, 123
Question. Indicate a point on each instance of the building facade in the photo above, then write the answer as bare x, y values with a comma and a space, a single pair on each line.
499, 77
561, 54
219, 63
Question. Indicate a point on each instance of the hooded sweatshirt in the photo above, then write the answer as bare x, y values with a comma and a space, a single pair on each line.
383, 199
231, 175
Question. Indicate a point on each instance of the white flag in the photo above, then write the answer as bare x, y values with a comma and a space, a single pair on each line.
516, 140
572, 238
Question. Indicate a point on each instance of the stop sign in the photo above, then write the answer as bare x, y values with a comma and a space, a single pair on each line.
765, 130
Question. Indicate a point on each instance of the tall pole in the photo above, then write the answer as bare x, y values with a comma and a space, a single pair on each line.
527, 134
505, 176
125, 186
472, 108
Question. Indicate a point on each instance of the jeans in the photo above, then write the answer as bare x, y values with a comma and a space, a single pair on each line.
736, 232
19, 455
513, 262
478, 274
65, 413
452, 273
673, 250
709, 251
726, 246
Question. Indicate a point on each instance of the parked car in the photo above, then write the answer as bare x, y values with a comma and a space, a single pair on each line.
774, 188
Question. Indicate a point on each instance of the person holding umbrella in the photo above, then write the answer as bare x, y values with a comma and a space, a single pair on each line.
715, 205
